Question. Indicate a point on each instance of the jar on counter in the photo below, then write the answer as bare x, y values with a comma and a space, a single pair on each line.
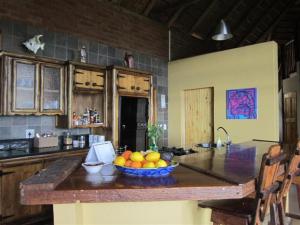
68, 140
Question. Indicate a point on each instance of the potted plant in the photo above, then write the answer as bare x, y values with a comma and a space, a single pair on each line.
154, 133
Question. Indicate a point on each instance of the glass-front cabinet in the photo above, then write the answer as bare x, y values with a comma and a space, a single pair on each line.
25, 86
51, 88
32, 87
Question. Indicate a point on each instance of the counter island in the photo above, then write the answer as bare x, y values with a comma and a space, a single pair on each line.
80, 198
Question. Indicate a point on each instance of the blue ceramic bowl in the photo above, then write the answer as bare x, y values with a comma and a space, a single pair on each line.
148, 172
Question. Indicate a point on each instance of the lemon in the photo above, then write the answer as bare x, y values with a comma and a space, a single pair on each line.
161, 163
149, 165
137, 157
153, 156
120, 161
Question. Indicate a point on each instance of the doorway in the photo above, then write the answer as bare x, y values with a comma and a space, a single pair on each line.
198, 116
133, 119
290, 134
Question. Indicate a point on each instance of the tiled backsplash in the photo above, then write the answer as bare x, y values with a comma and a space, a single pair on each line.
64, 46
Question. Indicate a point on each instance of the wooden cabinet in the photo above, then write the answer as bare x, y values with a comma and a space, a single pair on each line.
10, 198
52, 83
25, 87
87, 92
30, 86
12, 172
88, 80
133, 84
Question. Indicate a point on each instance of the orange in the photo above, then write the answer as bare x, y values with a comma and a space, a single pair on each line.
128, 163
120, 161
144, 161
127, 154
136, 164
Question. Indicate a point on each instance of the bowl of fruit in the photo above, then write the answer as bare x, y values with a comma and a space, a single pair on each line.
144, 164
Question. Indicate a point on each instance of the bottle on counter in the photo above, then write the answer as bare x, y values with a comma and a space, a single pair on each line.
68, 140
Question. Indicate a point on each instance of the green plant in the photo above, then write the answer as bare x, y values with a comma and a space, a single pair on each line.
154, 133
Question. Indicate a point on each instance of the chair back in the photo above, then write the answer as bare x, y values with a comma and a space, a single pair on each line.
267, 184
292, 170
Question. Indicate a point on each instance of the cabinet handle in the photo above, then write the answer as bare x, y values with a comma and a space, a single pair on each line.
87, 83
119, 87
5, 173
121, 76
96, 85
78, 83
132, 87
146, 90
138, 88
100, 75
146, 80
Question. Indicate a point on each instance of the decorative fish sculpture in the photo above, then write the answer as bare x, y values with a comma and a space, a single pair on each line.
34, 43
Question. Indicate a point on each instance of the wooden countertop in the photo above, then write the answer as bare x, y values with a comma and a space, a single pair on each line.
209, 174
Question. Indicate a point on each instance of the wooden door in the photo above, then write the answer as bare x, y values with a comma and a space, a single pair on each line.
97, 80
198, 116
25, 87
126, 83
82, 79
11, 178
52, 86
142, 85
290, 118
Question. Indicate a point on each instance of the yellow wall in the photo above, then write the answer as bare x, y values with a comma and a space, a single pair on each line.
246, 67
132, 213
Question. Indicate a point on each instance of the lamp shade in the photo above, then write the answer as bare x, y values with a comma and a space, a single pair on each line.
222, 32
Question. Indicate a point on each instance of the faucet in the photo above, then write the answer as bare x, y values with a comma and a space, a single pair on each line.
228, 141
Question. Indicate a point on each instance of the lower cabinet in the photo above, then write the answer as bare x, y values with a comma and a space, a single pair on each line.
10, 201
11, 175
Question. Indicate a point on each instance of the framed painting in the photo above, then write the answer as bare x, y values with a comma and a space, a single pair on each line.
241, 104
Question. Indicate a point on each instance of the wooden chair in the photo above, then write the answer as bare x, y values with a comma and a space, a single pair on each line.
251, 211
292, 170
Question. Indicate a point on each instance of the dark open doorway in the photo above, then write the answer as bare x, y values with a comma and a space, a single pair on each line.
133, 122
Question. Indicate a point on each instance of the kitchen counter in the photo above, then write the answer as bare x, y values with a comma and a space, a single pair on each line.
225, 173
10, 154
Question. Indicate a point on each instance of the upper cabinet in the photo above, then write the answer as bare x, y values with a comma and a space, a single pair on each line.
31, 86
88, 80
87, 97
133, 83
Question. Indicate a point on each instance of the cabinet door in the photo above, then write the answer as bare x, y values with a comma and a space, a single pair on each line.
11, 178
97, 80
126, 83
25, 87
52, 84
142, 85
82, 79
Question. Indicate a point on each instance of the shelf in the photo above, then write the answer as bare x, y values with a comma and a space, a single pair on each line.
89, 125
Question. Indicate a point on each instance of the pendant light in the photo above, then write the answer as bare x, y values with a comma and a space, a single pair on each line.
222, 32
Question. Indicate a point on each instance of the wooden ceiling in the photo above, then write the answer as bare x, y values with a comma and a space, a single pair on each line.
251, 21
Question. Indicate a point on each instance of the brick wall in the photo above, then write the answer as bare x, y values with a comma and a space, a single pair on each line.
66, 46
91, 19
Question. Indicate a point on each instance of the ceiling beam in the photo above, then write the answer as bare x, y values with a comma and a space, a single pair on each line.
202, 17
149, 7
180, 9
265, 14
274, 24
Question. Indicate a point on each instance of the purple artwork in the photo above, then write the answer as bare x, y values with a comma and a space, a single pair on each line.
241, 104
